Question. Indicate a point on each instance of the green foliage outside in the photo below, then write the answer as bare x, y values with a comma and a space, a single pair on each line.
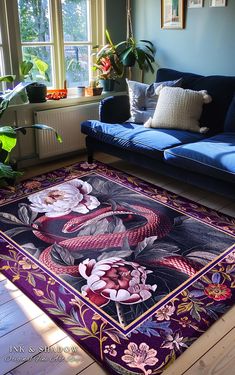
35, 26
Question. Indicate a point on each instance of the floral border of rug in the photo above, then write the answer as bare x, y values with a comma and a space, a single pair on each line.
154, 344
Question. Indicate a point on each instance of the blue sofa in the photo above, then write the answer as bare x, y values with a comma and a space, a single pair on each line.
204, 160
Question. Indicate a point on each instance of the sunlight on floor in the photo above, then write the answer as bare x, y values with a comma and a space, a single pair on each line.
54, 345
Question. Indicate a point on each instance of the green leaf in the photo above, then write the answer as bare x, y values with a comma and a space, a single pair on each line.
42, 66
79, 331
54, 311
5, 257
125, 53
108, 37
140, 58
7, 78
31, 280
149, 63
150, 49
7, 138
46, 127
25, 67
7, 172
94, 327
3, 106
119, 369
147, 41
46, 301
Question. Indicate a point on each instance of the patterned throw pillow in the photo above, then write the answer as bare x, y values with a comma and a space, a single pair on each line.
178, 108
143, 99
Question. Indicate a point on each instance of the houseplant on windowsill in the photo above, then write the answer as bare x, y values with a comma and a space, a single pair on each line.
35, 69
108, 64
8, 136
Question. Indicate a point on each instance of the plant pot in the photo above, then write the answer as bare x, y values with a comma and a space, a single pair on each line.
37, 92
107, 84
93, 91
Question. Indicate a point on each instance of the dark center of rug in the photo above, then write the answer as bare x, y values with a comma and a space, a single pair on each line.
120, 250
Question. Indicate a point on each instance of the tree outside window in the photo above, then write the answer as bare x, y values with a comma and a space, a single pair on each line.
59, 33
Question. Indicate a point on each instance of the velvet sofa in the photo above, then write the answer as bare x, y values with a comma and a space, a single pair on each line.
204, 160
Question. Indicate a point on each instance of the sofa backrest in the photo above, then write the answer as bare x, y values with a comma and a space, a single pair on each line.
221, 89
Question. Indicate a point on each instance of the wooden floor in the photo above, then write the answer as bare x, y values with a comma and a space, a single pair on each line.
23, 324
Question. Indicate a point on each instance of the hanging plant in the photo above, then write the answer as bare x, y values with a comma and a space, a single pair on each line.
141, 52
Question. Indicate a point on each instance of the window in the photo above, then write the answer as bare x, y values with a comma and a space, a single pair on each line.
1, 56
60, 33
36, 35
77, 49
4, 50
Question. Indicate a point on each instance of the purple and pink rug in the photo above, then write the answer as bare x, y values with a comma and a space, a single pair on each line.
133, 273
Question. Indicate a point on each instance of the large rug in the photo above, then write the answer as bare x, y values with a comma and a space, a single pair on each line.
133, 273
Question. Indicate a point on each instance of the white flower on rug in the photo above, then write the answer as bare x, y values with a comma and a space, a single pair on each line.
165, 312
140, 356
174, 341
115, 279
62, 199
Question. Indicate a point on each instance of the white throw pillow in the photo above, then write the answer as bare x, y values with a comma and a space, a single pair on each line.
178, 108
143, 98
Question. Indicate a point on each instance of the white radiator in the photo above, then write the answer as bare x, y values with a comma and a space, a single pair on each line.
67, 122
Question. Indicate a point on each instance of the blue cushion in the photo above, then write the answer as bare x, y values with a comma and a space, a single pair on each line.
151, 142
229, 125
221, 88
165, 74
213, 156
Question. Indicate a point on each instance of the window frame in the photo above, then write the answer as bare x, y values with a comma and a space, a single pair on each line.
13, 54
4, 42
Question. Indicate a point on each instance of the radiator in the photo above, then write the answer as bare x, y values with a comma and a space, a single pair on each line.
67, 122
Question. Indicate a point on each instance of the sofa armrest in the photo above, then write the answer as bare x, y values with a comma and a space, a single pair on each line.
114, 109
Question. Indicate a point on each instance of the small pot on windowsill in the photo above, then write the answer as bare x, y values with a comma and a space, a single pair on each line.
93, 91
107, 84
37, 92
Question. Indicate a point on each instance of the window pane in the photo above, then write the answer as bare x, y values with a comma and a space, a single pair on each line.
34, 20
75, 20
77, 65
2, 84
1, 61
44, 54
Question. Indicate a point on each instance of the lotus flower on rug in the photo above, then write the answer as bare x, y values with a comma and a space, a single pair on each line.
134, 273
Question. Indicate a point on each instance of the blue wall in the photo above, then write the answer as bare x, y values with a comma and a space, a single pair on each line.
206, 45
116, 19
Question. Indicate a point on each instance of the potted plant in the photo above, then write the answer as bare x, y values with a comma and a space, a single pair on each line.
8, 135
108, 63
141, 52
35, 70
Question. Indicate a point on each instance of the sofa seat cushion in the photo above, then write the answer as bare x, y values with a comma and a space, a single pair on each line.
151, 142
214, 156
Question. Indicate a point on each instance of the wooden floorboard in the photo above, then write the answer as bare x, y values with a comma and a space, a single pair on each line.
219, 360
53, 362
17, 312
32, 338
213, 353
8, 291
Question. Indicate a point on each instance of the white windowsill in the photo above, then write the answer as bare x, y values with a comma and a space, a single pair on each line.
69, 101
